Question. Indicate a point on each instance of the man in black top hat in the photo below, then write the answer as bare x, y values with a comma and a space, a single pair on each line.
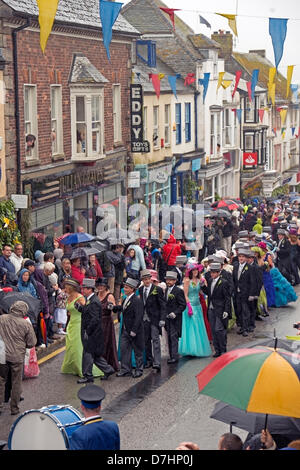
132, 334
283, 252
243, 291
92, 334
95, 433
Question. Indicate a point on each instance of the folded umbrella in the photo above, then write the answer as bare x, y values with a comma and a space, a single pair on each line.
76, 238
254, 422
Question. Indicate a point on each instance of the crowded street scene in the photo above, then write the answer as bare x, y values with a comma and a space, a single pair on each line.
150, 232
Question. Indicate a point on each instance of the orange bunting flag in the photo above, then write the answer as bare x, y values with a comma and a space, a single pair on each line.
47, 12
170, 12
231, 21
290, 71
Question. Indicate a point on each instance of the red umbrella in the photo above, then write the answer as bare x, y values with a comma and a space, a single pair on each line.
225, 203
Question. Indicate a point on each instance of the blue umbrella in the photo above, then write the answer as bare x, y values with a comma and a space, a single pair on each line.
75, 238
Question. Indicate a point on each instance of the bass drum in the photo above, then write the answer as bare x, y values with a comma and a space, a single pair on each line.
46, 429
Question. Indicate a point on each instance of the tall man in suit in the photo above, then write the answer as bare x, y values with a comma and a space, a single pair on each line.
244, 290
154, 318
92, 334
132, 334
256, 272
284, 255
219, 307
176, 304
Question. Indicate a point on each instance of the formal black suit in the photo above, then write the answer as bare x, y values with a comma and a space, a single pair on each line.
284, 258
133, 310
219, 302
243, 289
256, 273
92, 338
154, 313
176, 304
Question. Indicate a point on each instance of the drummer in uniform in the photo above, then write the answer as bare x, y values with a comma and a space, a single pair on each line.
96, 433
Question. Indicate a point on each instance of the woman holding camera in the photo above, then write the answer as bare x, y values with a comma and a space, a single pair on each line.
107, 303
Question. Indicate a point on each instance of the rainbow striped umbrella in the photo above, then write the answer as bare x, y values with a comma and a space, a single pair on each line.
258, 380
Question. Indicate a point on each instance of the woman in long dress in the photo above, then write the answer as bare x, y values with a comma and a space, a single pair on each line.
267, 278
72, 363
194, 340
107, 302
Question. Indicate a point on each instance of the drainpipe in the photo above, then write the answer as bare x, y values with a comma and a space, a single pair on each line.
17, 101
174, 182
196, 93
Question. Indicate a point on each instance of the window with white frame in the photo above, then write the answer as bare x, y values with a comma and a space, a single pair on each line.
155, 126
87, 119
56, 120
227, 127
212, 134
117, 115
145, 121
187, 123
30, 118
178, 122
218, 132
167, 124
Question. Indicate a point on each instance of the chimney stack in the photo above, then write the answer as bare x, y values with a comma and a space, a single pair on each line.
225, 39
261, 52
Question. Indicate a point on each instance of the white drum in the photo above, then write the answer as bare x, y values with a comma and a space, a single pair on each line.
46, 429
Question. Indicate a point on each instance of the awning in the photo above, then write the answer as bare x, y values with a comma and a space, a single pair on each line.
185, 166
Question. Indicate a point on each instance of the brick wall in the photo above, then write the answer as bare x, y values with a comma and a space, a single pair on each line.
54, 67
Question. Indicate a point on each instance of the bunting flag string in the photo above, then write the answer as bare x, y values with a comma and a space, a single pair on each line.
47, 13
231, 21
277, 31
204, 82
109, 12
238, 75
289, 75
170, 12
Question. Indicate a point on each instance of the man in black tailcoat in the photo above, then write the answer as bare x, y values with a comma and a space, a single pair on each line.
154, 318
132, 334
92, 334
244, 289
176, 304
283, 252
219, 308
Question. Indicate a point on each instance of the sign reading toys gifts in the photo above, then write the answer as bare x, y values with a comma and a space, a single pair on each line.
250, 160
138, 145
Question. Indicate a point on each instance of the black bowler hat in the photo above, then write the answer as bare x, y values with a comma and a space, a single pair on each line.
102, 281
91, 395
28, 263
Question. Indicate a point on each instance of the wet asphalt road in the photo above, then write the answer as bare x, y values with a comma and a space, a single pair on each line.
159, 410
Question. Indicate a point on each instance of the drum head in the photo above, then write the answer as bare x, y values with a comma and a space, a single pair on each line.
35, 430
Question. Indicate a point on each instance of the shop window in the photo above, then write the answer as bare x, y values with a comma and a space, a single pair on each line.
109, 193
56, 120
87, 123
251, 110
117, 113
30, 118
178, 122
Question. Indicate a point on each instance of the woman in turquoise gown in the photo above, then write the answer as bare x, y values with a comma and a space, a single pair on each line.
194, 340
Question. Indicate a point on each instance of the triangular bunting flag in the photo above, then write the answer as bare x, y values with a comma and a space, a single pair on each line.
231, 21
156, 83
47, 12
238, 75
254, 81
109, 12
172, 82
283, 135
226, 83
289, 75
189, 79
282, 130
170, 12
221, 75
205, 82
239, 114
272, 94
277, 31
283, 113
161, 76
294, 89
272, 73
261, 113
275, 130
293, 131
249, 91
203, 21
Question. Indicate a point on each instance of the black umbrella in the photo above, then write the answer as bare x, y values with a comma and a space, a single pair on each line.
271, 342
222, 213
34, 305
255, 422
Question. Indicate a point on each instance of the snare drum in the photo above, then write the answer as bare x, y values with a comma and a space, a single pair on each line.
46, 429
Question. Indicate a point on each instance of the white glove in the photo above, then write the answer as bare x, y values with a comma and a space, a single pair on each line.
225, 315
162, 323
250, 298
172, 316
132, 334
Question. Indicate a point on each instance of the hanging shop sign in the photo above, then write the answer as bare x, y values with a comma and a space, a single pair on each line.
138, 145
160, 175
134, 179
250, 159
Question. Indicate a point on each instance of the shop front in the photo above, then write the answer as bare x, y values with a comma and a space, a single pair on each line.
71, 198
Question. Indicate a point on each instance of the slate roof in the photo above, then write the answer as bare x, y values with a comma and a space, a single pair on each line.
200, 41
161, 67
81, 12
83, 71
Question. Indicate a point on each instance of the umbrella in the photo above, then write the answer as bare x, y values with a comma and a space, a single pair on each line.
254, 422
79, 253
222, 213
286, 344
225, 203
75, 238
258, 380
34, 305
118, 235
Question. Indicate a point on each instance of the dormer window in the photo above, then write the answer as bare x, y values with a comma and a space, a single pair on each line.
146, 51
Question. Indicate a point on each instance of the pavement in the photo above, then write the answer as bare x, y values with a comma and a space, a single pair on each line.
158, 410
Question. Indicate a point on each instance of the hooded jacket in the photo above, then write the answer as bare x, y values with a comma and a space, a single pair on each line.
171, 250
16, 332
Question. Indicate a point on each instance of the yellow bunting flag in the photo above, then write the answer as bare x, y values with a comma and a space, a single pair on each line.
283, 113
221, 75
231, 22
290, 71
47, 12
226, 83
272, 93
283, 135
272, 73
161, 76
132, 77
